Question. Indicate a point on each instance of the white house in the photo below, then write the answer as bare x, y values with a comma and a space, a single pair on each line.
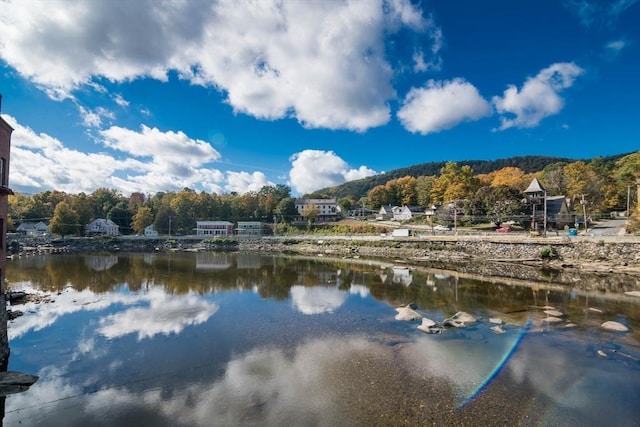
214, 228
385, 212
327, 209
32, 228
249, 228
150, 232
407, 212
102, 227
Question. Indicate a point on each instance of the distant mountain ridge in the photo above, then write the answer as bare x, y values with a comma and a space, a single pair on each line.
360, 187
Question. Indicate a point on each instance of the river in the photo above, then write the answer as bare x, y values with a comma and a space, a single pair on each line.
244, 339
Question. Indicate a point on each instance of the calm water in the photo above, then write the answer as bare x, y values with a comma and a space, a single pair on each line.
215, 339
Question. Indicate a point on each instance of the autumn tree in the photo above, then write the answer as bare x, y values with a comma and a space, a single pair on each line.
454, 183
142, 218
378, 196
408, 191
64, 220
310, 213
554, 179
183, 205
81, 204
509, 177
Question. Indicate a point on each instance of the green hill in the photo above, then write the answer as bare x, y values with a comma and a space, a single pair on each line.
360, 188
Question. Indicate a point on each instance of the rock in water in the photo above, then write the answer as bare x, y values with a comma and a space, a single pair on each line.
429, 326
407, 314
497, 329
610, 325
460, 319
554, 313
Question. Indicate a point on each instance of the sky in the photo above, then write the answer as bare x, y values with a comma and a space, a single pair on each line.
230, 96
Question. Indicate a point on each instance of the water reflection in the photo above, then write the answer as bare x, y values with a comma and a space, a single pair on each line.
158, 339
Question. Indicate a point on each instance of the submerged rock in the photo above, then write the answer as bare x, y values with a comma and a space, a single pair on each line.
407, 313
495, 320
498, 329
552, 319
610, 325
554, 313
460, 320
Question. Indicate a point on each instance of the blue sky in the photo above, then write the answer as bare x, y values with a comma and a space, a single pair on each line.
221, 96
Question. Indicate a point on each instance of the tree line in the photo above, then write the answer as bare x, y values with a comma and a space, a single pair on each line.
168, 212
606, 185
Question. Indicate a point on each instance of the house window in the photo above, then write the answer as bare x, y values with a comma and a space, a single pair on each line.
3, 169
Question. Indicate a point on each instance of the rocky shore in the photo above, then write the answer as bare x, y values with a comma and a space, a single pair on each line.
560, 260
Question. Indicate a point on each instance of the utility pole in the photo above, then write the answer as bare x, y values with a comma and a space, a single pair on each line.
275, 225
169, 225
628, 200
583, 202
545, 213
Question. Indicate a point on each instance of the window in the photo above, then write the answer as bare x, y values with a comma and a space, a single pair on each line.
3, 169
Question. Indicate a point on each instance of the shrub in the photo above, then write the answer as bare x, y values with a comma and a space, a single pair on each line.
548, 253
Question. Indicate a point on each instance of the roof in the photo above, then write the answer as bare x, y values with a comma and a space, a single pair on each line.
535, 187
555, 204
102, 222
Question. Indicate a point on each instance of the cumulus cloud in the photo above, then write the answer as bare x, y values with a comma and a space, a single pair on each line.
242, 182
148, 160
538, 98
317, 299
322, 63
165, 315
442, 105
315, 169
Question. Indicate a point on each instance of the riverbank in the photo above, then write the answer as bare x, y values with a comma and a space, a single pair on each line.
558, 259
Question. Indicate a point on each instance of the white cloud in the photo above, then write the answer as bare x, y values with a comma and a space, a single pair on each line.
148, 160
538, 98
322, 62
592, 12
616, 45
242, 182
118, 99
165, 315
317, 299
442, 105
315, 169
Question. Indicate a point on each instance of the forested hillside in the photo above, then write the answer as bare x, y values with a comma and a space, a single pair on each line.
528, 164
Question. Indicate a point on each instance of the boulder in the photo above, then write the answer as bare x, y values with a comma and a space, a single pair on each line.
429, 326
498, 329
460, 319
407, 313
610, 325
554, 313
